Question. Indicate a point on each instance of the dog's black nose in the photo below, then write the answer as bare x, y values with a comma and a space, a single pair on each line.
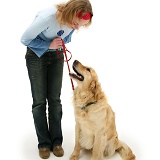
75, 62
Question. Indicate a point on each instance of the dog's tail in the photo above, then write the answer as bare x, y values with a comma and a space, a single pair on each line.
125, 152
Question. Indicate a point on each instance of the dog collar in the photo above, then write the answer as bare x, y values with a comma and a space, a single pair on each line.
88, 104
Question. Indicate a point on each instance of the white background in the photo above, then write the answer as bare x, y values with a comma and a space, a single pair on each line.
122, 44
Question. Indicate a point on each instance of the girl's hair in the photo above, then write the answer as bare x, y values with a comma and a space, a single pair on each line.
71, 8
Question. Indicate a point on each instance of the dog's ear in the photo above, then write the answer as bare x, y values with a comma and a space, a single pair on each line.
93, 85
95, 88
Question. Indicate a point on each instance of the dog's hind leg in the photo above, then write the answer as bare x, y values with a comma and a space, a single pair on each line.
77, 147
125, 152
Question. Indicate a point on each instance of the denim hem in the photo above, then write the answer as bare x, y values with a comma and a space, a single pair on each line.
44, 147
57, 145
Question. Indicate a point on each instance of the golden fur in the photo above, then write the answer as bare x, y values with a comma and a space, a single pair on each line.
95, 124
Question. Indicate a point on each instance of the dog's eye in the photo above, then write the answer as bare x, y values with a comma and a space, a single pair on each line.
88, 69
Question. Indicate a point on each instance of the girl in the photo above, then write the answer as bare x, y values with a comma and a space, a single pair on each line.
45, 69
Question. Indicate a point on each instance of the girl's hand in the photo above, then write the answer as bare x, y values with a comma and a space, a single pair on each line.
56, 43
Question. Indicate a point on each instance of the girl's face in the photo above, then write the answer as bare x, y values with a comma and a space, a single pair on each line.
77, 23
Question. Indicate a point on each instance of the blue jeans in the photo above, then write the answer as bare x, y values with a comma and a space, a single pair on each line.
45, 76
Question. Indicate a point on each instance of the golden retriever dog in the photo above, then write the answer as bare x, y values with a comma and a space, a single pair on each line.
95, 128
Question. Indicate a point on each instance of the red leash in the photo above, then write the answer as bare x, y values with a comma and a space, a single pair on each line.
64, 50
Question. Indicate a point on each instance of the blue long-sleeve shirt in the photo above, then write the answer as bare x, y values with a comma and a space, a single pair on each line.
43, 30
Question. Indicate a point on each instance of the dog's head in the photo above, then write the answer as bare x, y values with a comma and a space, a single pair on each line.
84, 76
87, 81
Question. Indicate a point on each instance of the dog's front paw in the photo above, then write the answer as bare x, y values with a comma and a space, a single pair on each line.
73, 157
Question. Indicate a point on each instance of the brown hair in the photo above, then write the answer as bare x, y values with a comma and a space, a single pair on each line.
71, 8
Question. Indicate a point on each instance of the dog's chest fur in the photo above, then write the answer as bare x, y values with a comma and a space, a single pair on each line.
92, 121
88, 121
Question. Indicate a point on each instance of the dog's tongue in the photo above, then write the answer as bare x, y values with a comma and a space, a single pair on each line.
74, 75
71, 73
